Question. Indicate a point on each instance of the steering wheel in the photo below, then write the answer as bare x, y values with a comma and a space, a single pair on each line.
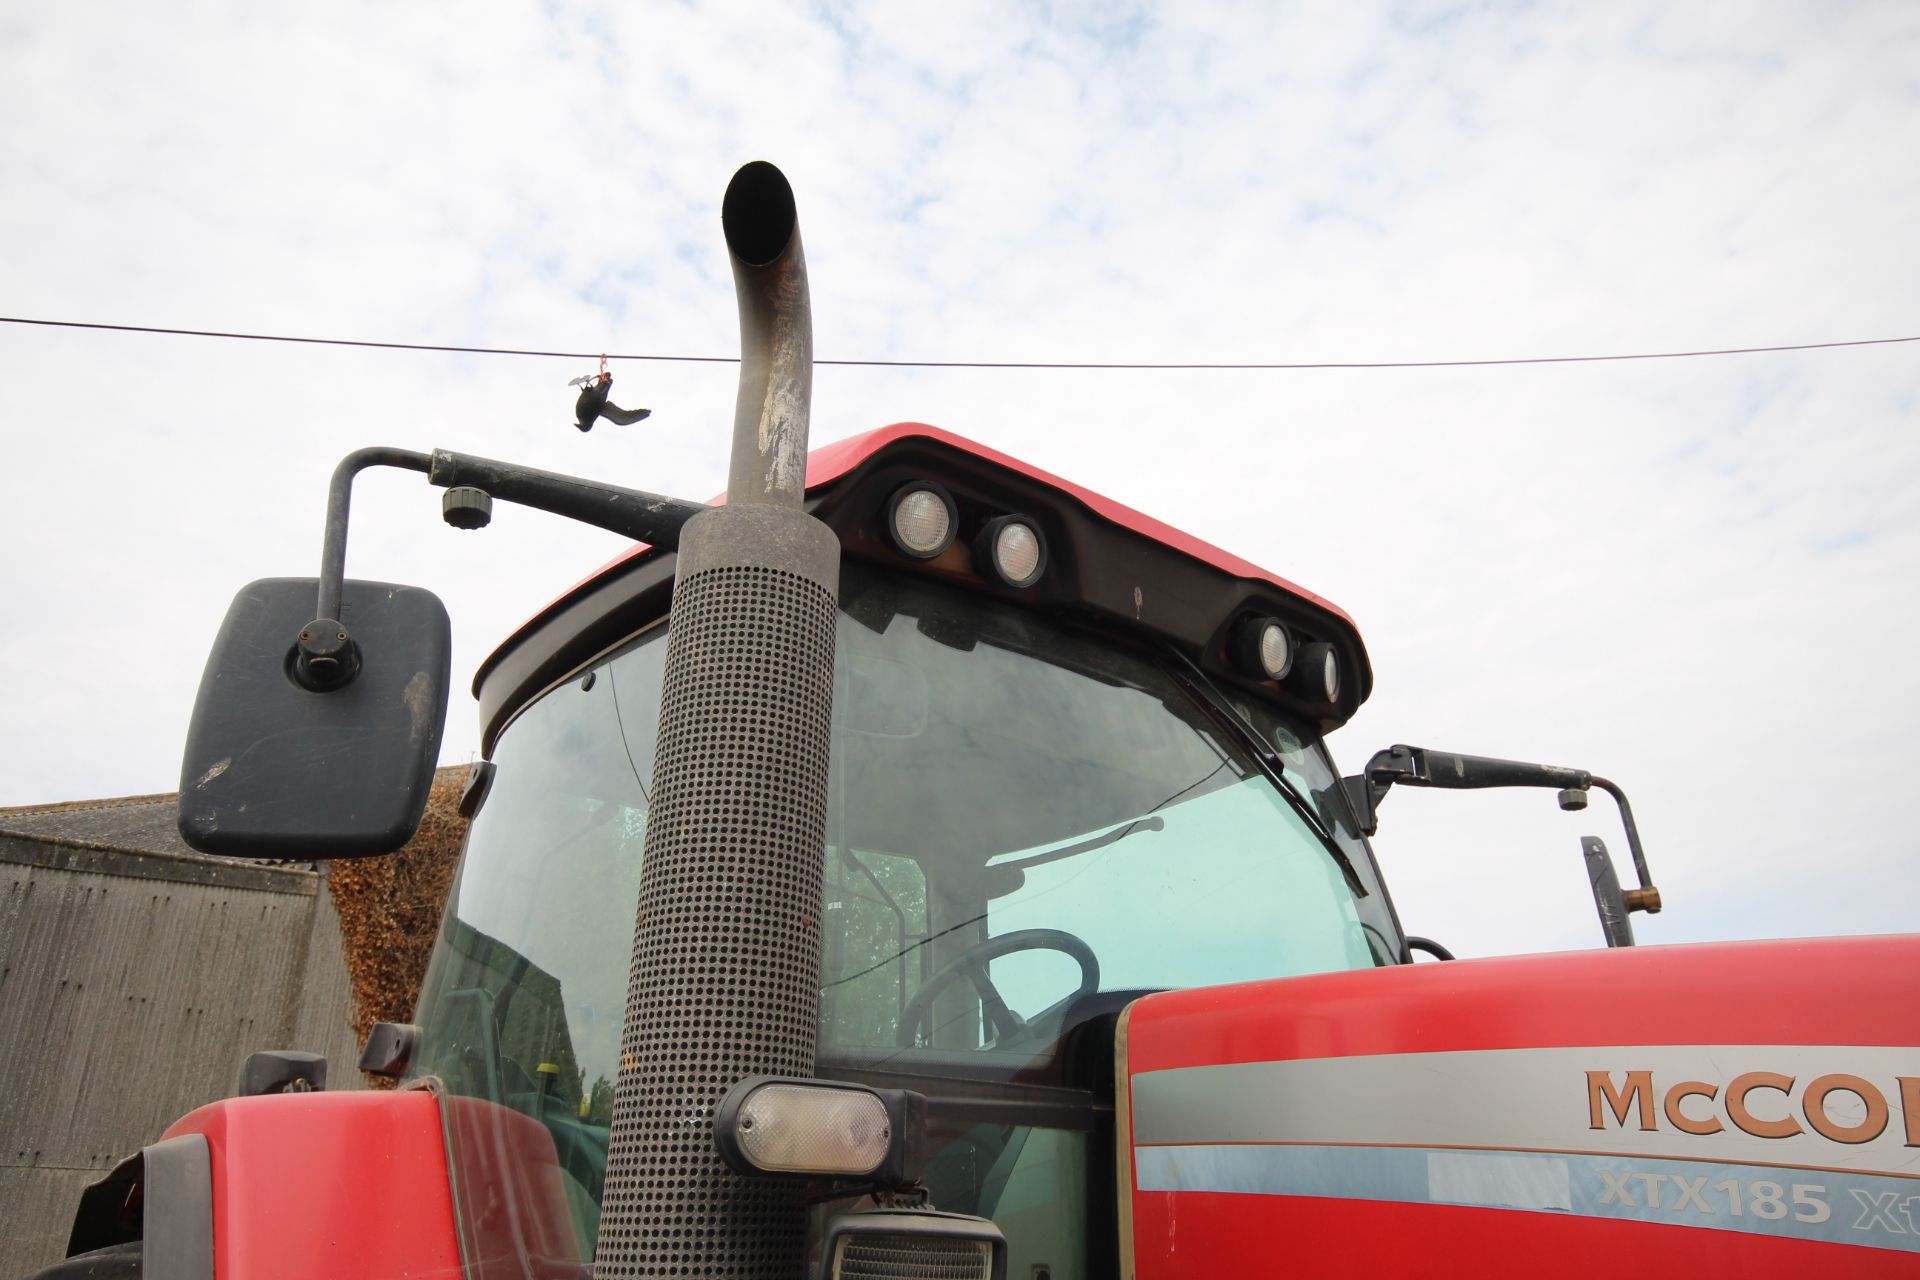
971, 964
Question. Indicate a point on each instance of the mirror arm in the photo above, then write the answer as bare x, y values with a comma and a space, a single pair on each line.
327, 657
1419, 767
632, 513
1646, 898
333, 550
1398, 763
1366, 789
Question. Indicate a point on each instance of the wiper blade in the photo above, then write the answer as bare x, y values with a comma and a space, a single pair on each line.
1201, 685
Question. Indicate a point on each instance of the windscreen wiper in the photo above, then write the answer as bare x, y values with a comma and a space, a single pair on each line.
1196, 681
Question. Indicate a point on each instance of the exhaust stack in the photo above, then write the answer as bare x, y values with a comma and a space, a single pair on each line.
770, 416
725, 977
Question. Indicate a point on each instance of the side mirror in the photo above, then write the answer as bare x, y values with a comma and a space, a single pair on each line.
274, 769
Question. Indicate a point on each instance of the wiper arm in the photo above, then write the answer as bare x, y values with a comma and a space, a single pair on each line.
1303, 807
1196, 681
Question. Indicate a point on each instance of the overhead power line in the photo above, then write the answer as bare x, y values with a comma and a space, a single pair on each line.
962, 364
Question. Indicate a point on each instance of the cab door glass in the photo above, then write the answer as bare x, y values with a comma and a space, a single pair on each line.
875, 924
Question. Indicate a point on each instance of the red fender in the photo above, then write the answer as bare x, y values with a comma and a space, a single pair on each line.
355, 1186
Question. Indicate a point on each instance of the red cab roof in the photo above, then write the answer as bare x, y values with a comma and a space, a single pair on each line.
831, 461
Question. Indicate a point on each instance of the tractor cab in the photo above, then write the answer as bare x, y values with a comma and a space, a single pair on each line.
1053, 788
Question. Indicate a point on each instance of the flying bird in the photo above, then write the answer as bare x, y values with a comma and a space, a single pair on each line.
593, 404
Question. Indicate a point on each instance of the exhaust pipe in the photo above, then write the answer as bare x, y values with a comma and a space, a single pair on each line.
725, 975
770, 416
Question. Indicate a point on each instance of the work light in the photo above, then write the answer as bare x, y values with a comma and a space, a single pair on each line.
774, 1124
1262, 648
1316, 674
1011, 550
920, 518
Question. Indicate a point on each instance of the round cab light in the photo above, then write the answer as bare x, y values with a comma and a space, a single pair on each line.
1262, 648
920, 518
1316, 673
1012, 550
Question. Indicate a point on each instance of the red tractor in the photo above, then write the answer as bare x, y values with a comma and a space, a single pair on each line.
919, 866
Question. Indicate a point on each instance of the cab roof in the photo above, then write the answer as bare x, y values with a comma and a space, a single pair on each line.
1114, 531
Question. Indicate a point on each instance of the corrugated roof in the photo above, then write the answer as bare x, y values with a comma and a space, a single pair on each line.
131, 824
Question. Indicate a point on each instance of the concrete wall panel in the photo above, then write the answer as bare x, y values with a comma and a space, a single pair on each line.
132, 986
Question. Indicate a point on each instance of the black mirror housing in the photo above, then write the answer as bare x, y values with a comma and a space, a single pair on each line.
275, 770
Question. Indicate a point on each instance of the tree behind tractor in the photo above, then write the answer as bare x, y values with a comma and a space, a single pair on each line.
919, 865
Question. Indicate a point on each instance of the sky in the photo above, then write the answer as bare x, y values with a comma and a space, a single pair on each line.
1696, 577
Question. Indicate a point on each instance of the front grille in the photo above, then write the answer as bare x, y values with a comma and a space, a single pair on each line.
904, 1257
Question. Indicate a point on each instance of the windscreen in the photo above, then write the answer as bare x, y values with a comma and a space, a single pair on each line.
1027, 824
1057, 813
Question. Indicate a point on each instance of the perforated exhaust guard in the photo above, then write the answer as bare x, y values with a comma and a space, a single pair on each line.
726, 951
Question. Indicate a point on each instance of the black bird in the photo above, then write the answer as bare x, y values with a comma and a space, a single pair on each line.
593, 405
